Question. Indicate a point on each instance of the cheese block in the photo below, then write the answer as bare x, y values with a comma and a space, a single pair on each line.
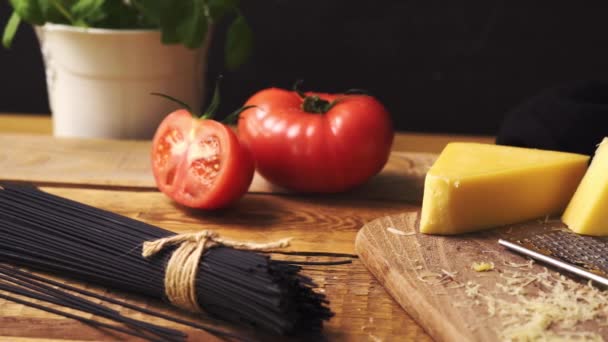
478, 186
587, 212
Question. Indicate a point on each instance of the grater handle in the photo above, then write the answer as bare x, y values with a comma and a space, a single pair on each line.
554, 262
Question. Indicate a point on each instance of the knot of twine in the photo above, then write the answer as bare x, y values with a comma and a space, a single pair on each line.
182, 267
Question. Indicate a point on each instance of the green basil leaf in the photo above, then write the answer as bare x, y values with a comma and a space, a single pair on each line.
150, 9
88, 11
239, 43
119, 14
10, 29
219, 8
51, 13
180, 21
169, 19
192, 30
29, 11
185, 22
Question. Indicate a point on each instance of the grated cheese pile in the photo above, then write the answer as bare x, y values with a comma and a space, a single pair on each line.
559, 303
535, 306
482, 266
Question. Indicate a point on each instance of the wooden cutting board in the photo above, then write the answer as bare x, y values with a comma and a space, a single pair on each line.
119, 163
428, 276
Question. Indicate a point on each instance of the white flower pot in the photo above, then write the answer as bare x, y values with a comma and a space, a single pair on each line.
99, 81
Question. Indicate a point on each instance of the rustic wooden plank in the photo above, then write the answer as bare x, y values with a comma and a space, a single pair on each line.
316, 223
433, 143
364, 311
411, 266
114, 163
12, 123
75, 161
62, 329
25, 123
33, 339
41, 158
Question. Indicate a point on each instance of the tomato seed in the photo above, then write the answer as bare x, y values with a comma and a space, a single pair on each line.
170, 177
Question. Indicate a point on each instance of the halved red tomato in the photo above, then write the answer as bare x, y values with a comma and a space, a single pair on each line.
199, 162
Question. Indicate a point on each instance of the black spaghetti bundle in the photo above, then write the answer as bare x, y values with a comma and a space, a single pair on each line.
41, 289
56, 235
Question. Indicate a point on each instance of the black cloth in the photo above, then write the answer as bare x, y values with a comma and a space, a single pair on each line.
571, 117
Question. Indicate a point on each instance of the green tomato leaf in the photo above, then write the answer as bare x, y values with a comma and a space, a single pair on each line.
239, 43
10, 29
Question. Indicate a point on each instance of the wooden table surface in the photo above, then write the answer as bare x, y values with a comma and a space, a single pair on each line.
364, 311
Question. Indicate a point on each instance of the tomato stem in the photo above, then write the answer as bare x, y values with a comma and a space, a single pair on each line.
233, 117
213, 106
215, 101
315, 104
180, 102
296, 88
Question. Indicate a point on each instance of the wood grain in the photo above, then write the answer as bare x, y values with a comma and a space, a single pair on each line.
316, 223
411, 267
404, 141
433, 143
126, 164
25, 123
43, 159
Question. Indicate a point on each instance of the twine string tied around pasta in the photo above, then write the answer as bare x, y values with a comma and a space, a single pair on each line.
182, 268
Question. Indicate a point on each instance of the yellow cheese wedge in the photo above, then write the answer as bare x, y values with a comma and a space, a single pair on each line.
587, 212
477, 186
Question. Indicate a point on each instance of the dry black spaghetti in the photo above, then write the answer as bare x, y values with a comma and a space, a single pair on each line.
27, 285
53, 234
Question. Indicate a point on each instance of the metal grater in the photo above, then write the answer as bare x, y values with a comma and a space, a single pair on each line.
585, 256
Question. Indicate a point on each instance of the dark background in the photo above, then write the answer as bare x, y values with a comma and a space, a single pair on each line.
439, 66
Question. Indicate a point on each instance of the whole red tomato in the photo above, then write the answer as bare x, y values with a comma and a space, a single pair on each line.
315, 142
200, 162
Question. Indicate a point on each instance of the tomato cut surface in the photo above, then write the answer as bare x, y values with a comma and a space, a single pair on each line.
200, 163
